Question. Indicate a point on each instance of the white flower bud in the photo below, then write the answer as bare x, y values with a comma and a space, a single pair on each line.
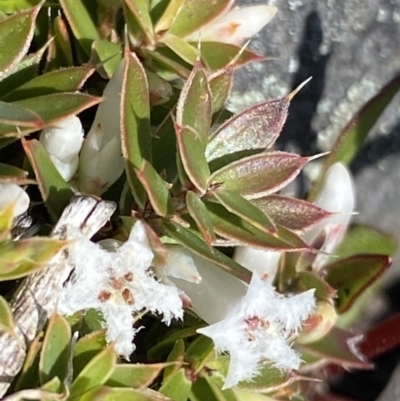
12, 193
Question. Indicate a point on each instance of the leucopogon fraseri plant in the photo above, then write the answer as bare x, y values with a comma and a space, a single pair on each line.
208, 283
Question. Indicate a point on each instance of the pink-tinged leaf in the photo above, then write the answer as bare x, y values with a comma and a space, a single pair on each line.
351, 276
54, 190
292, 213
177, 387
168, 16
236, 229
309, 280
60, 52
140, 11
237, 25
183, 49
259, 175
200, 215
193, 110
339, 347
64, 80
13, 114
135, 122
189, 240
191, 151
218, 55
243, 208
16, 33
80, 17
255, 128
353, 135
195, 14
62, 105
156, 189
220, 84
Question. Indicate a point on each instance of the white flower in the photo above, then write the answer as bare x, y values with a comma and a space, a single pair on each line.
63, 142
12, 193
101, 162
236, 25
120, 285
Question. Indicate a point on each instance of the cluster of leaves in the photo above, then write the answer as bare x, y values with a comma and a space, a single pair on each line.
200, 187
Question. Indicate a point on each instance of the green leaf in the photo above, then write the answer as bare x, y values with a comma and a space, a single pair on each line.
309, 280
56, 387
6, 222
364, 239
353, 135
189, 240
60, 53
166, 61
81, 18
18, 31
135, 375
168, 16
103, 393
140, 11
217, 55
220, 84
351, 276
200, 215
62, 105
259, 175
194, 14
255, 128
54, 190
176, 355
64, 80
56, 348
14, 6
12, 174
177, 387
243, 208
86, 348
16, 115
135, 121
182, 48
294, 214
95, 373
234, 228
23, 257
6, 317
107, 56
156, 189
191, 152
199, 352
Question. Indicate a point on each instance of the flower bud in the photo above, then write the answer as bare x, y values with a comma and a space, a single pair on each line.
12, 193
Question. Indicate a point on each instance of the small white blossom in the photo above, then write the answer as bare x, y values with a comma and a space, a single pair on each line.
259, 329
12, 193
120, 285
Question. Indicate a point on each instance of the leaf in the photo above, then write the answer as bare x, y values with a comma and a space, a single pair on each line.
199, 352
16, 115
258, 175
95, 373
168, 62
194, 14
54, 190
56, 348
294, 214
80, 16
364, 239
106, 56
189, 240
200, 215
135, 120
351, 276
241, 232
103, 393
12, 174
6, 317
176, 355
60, 53
23, 257
14, 6
168, 16
183, 49
62, 105
86, 348
220, 84
255, 128
353, 135
177, 387
6, 222
309, 280
156, 189
18, 31
217, 55
140, 11
135, 375
243, 208
64, 80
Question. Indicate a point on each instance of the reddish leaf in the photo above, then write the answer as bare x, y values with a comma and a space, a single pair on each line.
351, 276
292, 213
259, 175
